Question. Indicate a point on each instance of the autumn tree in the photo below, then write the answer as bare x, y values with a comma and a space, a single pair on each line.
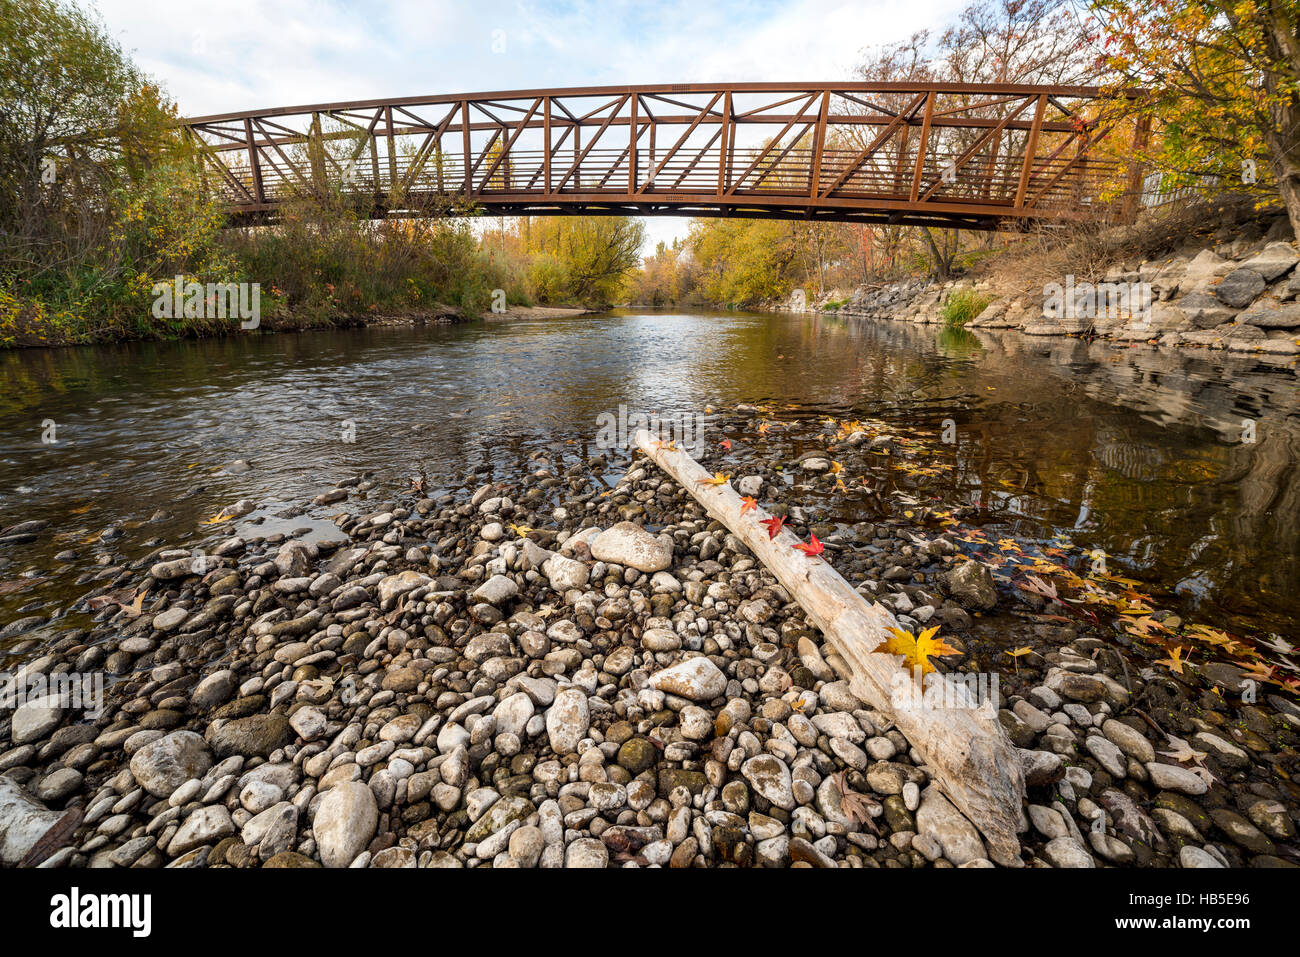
667, 276
1224, 83
584, 259
78, 121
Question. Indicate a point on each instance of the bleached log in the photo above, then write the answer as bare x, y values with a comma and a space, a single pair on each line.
964, 747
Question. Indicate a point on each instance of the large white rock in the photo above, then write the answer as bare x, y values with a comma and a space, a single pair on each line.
1067, 852
23, 821
400, 584
631, 545
273, 830
937, 819
567, 720
345, 823
768, 775
207, 825
586, 852
1170, 777
161, 766
497, 590
309, 722
696, 678
513, 713
1276, 260
565, 573
36, 719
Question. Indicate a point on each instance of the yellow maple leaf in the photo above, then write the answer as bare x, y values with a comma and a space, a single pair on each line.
1175, 660
917, 650
1018, 653
718, 479
217, 519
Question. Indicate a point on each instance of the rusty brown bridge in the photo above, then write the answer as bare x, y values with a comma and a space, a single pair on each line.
974, 156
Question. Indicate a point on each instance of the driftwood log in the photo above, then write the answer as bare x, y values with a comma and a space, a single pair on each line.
965, 748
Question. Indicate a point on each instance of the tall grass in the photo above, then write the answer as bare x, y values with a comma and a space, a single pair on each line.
962, 306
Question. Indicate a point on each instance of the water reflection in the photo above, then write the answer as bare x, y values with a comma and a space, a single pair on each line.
1137, 451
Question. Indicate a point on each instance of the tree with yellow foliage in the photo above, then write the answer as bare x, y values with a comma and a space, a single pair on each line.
1224, 82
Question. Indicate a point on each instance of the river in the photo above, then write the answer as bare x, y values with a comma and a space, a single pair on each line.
1183, 467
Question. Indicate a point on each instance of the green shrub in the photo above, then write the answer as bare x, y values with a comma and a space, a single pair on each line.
963, 306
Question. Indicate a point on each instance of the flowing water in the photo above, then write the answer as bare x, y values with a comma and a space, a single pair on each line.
1183, 467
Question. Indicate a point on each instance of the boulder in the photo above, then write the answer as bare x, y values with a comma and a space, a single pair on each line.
1240, 288
566, 573
695, 678
971, 584
497, 590
1275, 261
23, 821
254, 736
162, 766
391, 587
1204, 311
1271, 314
937, 819
345, 823
567, 720
768, 775
631, 545
207, 825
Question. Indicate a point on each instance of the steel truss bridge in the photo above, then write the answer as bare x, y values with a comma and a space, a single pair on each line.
972, 156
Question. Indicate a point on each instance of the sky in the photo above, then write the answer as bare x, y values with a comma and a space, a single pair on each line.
229, 55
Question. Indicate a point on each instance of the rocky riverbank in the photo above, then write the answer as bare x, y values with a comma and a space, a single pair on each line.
1235, 289
581, 669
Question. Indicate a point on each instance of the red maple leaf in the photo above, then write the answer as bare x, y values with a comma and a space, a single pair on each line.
726, 444
813, 548
773, 526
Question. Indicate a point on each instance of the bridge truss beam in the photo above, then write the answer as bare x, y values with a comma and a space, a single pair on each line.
974, 156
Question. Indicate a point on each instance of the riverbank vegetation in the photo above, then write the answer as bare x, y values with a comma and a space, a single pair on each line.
963, 306
100, 200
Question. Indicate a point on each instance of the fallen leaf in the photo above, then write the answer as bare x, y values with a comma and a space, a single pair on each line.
1175, 660
917, 650
813, 548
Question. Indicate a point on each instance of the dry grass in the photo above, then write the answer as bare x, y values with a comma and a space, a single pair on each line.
1087, 252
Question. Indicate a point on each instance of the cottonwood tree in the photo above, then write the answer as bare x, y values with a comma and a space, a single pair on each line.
77, 122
